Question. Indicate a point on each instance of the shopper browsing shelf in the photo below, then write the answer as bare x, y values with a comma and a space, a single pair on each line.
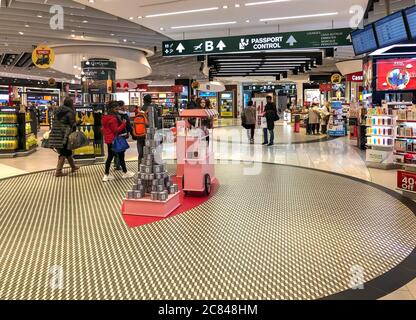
248, 119
313, 117
113, 126
63, 125
270, 113
325, 115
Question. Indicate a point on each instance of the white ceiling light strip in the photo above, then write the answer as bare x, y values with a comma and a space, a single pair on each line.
204, 25
259, 3
300, 17
180, 12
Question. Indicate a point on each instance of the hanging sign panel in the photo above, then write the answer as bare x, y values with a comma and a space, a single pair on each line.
259, 42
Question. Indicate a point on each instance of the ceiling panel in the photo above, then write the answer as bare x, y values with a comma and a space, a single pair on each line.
246, 18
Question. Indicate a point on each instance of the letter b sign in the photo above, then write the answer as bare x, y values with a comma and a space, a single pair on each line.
209, 46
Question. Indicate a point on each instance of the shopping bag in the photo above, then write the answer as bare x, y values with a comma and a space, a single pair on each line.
120, 144
263, 124
77, 140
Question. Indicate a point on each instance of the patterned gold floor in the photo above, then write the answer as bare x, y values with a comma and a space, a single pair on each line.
287, 233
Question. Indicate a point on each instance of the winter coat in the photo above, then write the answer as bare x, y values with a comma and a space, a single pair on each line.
191, 105
249, 114
112, 127
270, 112
129, 128
313, 115
324, 113
63, 125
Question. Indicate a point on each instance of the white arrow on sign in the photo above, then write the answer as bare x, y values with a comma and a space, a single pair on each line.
221, 45
180, 48
349, 38
291, 41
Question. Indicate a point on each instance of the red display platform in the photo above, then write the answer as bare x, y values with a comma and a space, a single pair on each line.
187, 203
150, 208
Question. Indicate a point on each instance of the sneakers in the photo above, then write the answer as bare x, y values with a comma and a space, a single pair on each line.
128, 175
108, 177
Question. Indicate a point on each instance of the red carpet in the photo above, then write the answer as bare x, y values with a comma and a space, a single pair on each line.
187, 203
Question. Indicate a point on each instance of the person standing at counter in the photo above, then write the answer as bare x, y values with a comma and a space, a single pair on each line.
325, 113
193, 103
313, 117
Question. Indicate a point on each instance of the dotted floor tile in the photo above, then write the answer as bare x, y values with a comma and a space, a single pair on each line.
287, 233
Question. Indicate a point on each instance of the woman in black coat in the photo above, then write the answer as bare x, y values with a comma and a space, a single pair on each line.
63, 125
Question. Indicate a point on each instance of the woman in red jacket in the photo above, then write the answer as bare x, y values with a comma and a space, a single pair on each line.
112, 127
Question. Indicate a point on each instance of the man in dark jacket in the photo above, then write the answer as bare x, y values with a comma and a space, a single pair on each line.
63, 125
157, 124
270, 112
192, 104
124, 115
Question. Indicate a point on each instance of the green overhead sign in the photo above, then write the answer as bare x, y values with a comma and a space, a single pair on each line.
259, 42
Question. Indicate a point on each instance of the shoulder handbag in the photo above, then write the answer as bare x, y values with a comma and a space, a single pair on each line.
120, 144
77, 140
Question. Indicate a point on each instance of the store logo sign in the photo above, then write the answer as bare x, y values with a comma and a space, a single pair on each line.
43, 57
336, 78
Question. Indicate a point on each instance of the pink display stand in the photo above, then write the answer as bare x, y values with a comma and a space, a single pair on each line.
149, 208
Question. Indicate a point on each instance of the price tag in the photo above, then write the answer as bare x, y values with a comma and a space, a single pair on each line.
406, 180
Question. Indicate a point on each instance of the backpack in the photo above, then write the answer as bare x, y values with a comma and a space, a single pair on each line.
139, 125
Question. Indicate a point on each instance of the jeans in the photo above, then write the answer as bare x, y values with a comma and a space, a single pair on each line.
140, 147
110, 157
265, 134
250, 131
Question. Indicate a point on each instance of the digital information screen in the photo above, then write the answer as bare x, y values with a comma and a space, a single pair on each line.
411, 20
364, 40
391, 30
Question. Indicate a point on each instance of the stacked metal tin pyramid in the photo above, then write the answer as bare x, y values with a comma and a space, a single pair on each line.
153, 177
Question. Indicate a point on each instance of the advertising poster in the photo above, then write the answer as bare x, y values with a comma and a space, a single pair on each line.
396, 74
368, 76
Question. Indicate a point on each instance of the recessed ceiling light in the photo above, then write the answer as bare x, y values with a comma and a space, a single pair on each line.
112, 34
140, 17
181, 12
82, 36
204, 25
84, 21
248, 21
134, 42
91, 1
124, 40
179, 75
21, 33
26, 25
301, 17
39, 16
131, 18
161, 28
73, 35
237, 5
259, 3
225, 7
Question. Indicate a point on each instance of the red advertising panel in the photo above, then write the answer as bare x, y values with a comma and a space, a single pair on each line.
396, 74
355, 77
406, 180
325, 87
176, 89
